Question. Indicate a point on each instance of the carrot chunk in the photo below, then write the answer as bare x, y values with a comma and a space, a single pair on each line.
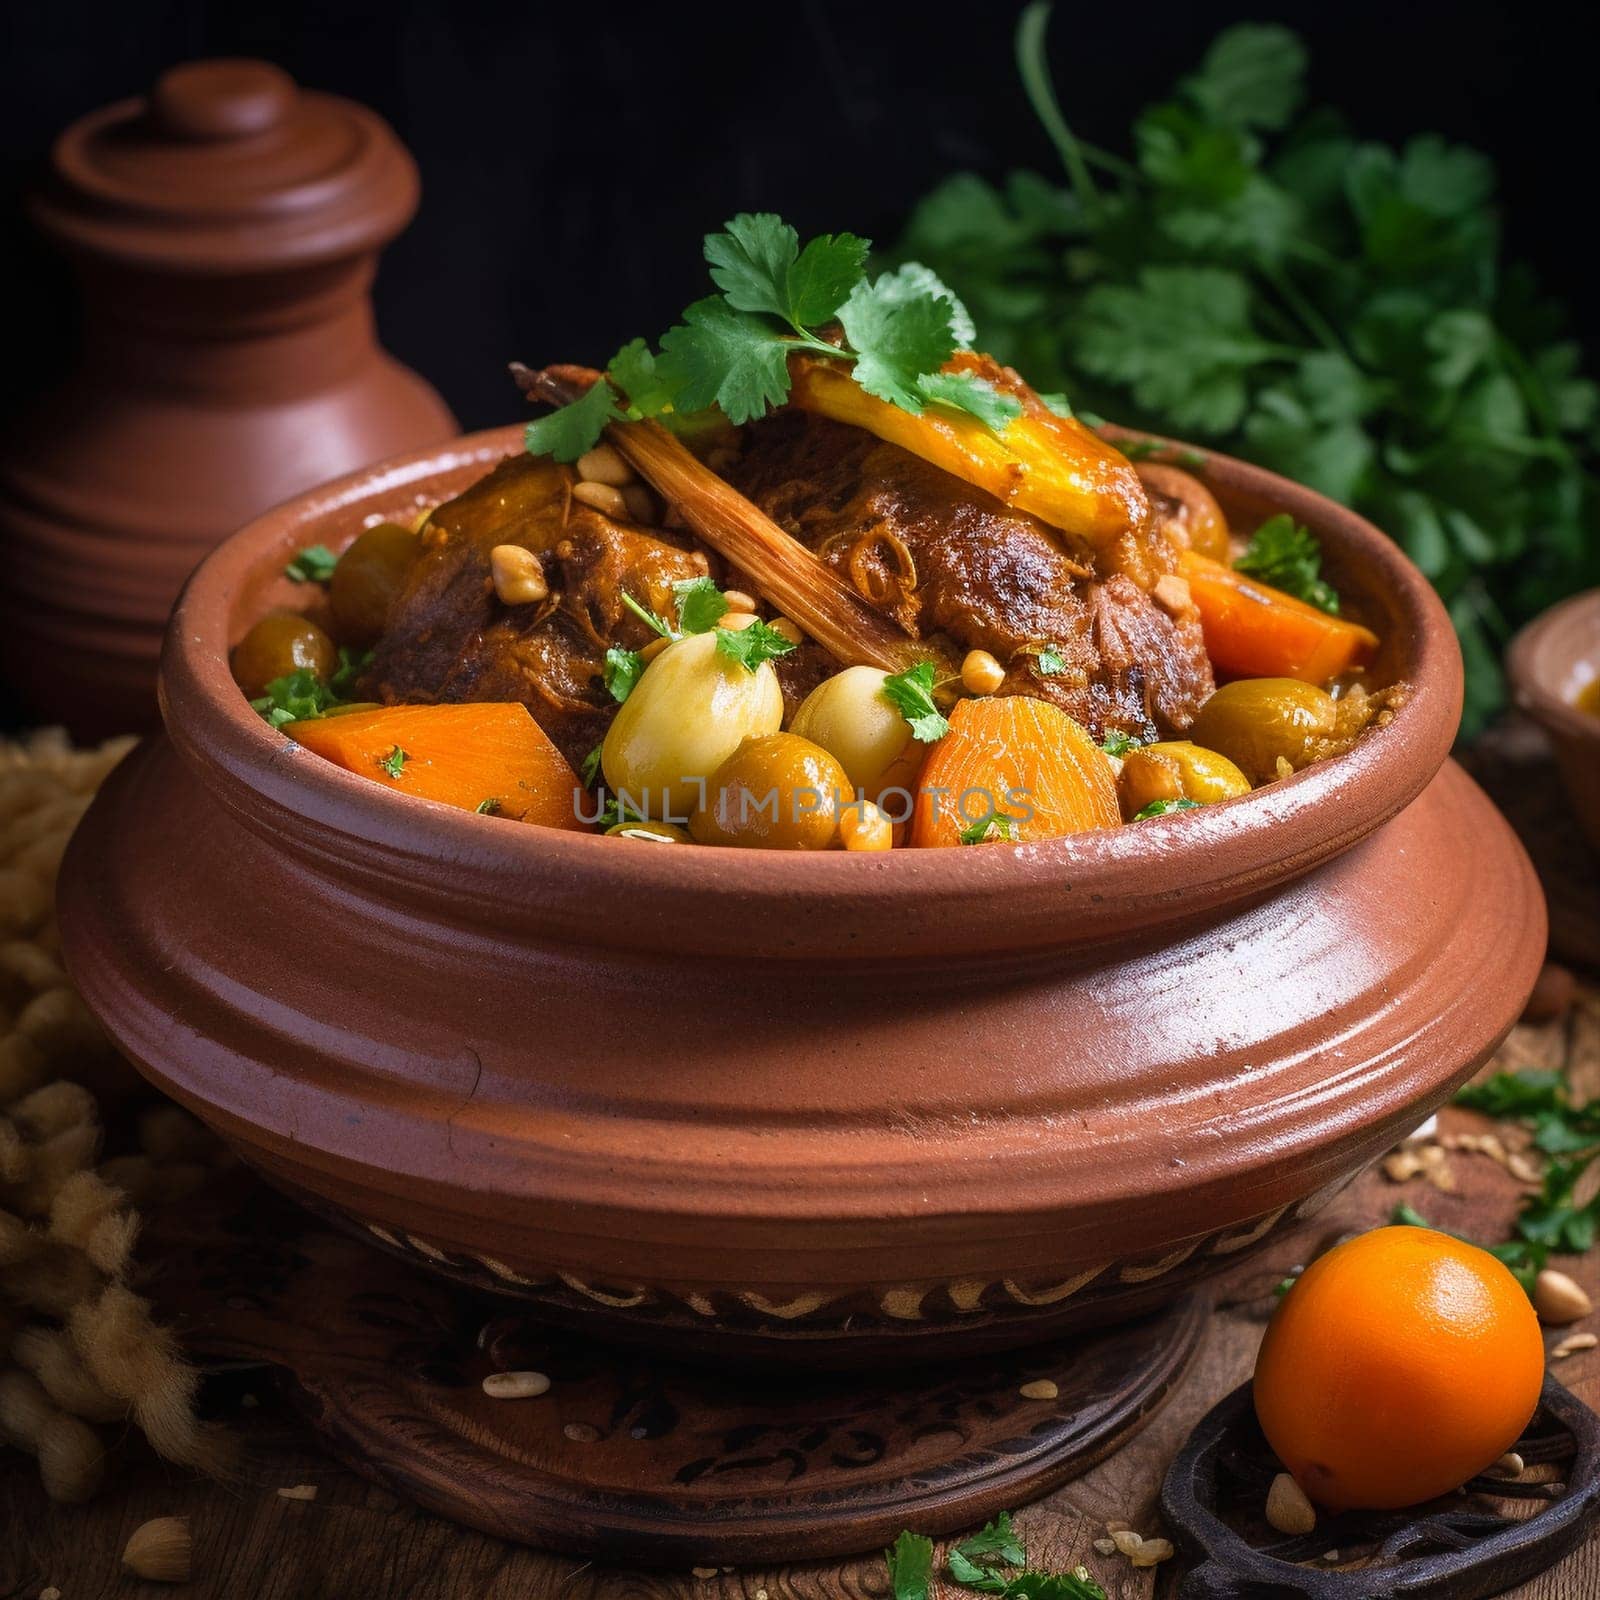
491, 757
1021, 763
1253, 631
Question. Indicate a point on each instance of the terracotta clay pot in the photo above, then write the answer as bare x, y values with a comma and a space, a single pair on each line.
225, 231
1550, 663
748, 1102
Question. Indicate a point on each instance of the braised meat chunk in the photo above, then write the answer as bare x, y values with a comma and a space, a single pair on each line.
944, 558
451, 638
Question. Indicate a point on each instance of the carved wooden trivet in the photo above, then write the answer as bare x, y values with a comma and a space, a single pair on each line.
627, 1457
1460, 1547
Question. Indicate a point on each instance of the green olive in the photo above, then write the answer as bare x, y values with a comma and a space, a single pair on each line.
368, 577
1255, 722
686, 715
280, 643
851, 717
649, 832
777, 792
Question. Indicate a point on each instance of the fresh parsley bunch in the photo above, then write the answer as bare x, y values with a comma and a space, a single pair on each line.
732, 349
1259, 277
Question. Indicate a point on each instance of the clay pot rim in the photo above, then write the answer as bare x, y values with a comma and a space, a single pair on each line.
1528, 666
1066, 892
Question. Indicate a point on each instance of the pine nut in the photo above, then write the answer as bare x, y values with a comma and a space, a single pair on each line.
1106, 1547
981, 673
515, 1385
1510, 1465
518, 577
738, 600
1572, 1344
1288, 1510
788, 630
1127, 1541
864, 827
604, 464
298, 1491
641, 504
1559, 1300
603, 497
1151, 1552
737, 621
1039, 1389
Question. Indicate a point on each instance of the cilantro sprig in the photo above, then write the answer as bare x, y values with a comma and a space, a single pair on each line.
911, 693
1255, 274
1286, 556
314, 564
701, 605
776, 299
980, 1565
996, 825
1163, 808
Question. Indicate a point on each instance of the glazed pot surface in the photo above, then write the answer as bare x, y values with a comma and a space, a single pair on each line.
834, 1104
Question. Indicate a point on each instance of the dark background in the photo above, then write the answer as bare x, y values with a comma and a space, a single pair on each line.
573, 154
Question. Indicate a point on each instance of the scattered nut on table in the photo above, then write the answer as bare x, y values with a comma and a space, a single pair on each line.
1288, 1509
1558, 1299
515, 1385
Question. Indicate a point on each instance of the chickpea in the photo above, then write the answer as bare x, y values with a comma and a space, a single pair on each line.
1185, 508
776, 792
851, 717
865, 827
1255, 721
981, 673
687, 714
1146, 777
368, 577
280, 643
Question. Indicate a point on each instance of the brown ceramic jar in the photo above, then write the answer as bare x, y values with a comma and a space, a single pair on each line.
831, 1106
1553, 661
225, 232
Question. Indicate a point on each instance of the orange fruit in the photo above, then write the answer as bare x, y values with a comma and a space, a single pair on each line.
1401, 1363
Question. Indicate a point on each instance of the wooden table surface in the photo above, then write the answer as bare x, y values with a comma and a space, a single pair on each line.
356, 1542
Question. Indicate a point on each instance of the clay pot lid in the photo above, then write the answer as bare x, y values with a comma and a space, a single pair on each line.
228, 165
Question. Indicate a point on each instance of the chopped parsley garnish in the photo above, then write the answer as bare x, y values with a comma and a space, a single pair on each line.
621, 671
732, 349
314, 564
753, 645
1163, 808
591, 765
1118, 744
615, 811
1286, 556
489, 807
394, 762
911, 692
1050, 661
352, 664
997, 825
294, 697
